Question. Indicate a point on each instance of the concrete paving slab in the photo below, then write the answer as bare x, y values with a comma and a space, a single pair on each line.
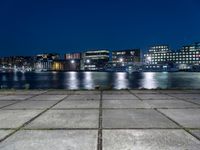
59, 92
32, 105
51, 140
144, 91
135, 118
16, 118
119, 97
124, 104
84, 97
187, 96
49, 97
67, 119
172, 91
5, 103
93, 92
188, 118
6, 92
149, 140
192, 91
196, 101
154, 96
170, 104
196, 133
77, 104
29, 92
15, 97
116, 92
4, 133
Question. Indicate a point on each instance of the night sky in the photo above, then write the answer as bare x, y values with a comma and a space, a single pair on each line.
28, 27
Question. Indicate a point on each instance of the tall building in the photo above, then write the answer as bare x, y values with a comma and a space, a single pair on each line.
95, 60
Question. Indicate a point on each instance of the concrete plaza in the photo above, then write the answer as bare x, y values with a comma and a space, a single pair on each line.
100, 120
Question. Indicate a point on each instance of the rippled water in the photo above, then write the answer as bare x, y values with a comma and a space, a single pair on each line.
89, 80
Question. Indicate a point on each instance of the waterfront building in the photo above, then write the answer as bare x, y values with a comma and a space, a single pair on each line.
58, 65
161, 55
72, 56
17, 63
44, 62
73, 61
124, 60
43, 65
126, 56
95, 60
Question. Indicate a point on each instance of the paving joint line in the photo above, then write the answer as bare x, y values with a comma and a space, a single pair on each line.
32, 119
145, 128
99, 140
183, 99
19, 101
14, 93
135, 95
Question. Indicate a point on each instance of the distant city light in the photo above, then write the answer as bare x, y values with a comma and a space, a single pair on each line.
72, 61
88, 61
121, 59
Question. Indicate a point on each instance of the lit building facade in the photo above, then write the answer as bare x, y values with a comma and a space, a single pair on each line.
95, 60
73, 61
124, 60
183, 59
44, 62
43, 65
18, 61
187, 55
126, 56
72, 56
58, 65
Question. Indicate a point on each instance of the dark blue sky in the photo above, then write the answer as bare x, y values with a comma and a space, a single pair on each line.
28, 27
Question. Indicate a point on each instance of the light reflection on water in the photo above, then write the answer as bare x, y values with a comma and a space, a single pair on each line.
72, 81
148, 80
90, 80
121, 80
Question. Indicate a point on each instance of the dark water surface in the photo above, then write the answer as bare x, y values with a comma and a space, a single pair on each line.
89, 80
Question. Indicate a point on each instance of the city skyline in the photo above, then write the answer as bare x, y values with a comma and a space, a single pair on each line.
29, 27
158, 58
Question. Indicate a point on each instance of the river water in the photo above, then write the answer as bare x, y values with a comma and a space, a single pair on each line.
90, 80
